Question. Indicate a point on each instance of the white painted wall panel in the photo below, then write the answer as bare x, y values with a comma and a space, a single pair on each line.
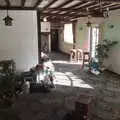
19, 42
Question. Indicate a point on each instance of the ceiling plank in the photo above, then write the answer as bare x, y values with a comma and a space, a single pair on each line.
37, 3
64, 3
23, 3
8, 2
49, 4
77, 5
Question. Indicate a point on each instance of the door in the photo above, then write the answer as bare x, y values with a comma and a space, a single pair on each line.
54, 40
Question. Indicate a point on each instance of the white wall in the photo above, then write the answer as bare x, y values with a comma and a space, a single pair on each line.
113, 62
19, 42
81, 35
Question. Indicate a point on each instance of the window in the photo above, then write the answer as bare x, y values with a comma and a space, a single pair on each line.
95, 39
68, 33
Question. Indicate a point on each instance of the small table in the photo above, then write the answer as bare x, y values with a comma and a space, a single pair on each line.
82, 107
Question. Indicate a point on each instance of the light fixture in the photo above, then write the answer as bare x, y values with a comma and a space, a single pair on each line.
45, 19
8, 20
106, 13
88, 24
89, 17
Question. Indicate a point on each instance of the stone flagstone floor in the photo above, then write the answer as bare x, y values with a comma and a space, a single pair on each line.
71, 82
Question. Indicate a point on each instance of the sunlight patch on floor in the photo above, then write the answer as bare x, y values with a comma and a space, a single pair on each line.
69, 79
66, 62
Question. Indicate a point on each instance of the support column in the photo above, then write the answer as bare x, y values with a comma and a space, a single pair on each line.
39, 35
74, 34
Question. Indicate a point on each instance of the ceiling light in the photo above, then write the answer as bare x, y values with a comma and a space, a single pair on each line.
8, 20
45, 19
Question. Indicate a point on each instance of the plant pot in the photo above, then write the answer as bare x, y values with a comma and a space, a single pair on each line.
8, 114
6, 102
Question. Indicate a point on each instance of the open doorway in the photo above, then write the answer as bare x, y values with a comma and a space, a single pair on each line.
54, 40
94, 39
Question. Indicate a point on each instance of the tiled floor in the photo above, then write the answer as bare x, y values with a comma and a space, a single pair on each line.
70, 82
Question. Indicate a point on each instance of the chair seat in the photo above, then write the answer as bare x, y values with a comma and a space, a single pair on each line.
73, 55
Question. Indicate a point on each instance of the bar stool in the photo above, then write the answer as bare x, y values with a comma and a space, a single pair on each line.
79, 55
73, 55
82, 107
86, 58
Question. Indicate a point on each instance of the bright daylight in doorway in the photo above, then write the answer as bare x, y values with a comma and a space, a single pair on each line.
68, 33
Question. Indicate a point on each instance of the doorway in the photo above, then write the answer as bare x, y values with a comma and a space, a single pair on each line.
54, 40
94, 39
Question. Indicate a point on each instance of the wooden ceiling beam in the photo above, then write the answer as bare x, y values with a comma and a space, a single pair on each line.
108, 5
55, 15
84, 16
23, 3
71, 15
115, 7
8, 2
84, 6
16, 8
55, 20
97, 6
79, 8
105, 0
65, 9
37, 3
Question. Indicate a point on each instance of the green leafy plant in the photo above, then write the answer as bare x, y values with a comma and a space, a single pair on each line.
103, 49
7, 82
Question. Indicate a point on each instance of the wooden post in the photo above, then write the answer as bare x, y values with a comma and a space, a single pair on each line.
90, 40
74, 34
39, 35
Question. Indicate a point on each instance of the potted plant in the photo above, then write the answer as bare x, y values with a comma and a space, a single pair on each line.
7, 83
103, 49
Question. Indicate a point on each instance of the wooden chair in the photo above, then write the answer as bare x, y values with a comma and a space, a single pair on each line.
73, 55
83, 57
86, 58
79, 55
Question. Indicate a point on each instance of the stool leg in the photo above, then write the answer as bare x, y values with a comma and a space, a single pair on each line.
71, 56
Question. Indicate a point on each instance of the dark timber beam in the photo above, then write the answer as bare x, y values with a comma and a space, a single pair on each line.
74, 34
115, 8
71, 14
37, 3
84, 6
16, 8
39, 35
8, 2
23, 3
104, 0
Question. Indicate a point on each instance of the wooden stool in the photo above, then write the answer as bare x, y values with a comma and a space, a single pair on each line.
73, 55
82, 107
79, 55
86, 58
